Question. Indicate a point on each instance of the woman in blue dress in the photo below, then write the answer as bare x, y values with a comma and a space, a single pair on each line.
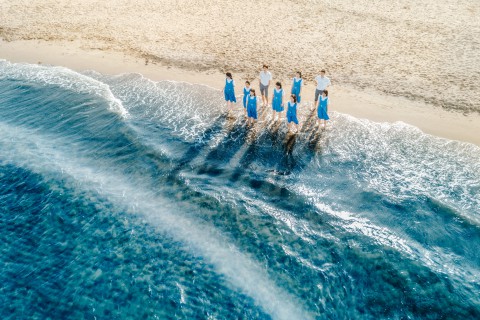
292, 113
322, 109
297, 86
277, 101
229, 90
252, 107
246, 94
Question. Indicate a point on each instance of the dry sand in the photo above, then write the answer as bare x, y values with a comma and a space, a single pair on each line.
388, 61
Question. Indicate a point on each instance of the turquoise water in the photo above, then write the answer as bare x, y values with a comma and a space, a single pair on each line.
124, 198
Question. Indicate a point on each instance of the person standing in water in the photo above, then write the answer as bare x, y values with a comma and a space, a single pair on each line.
322, 109
277, 101
322, 84
297, 86
264, 81
252, 107
246, 94
229, 91
292, 113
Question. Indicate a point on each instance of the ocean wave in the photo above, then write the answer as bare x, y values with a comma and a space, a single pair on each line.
62, 77
298, 223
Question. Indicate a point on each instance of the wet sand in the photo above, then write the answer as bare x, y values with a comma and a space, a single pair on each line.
402, 61
372, 105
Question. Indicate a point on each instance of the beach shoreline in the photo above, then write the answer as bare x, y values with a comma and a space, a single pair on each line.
367, 104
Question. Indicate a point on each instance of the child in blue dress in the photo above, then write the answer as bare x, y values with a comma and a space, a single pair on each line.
277, 101
297, 86
229, 90
252, 107
246, 94
322, 109
292, 113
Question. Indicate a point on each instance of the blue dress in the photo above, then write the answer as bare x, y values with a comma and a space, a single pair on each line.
322, 108
277, 100
252, 107
296, 88
246, 93
292, 113
229, 91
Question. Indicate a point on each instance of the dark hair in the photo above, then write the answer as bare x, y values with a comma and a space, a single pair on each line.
323, 70
278, 84
253, 91
326, 92
229, 74
265, 66
294, 98
248, 82
300, 73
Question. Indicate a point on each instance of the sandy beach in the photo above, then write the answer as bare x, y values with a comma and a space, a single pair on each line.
387, 62
128, 190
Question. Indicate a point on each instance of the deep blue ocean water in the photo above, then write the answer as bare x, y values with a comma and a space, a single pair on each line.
124, 198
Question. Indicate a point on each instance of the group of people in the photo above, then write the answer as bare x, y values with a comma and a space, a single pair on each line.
278, 101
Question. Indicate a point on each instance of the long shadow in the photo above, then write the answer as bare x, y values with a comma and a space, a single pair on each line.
290, 153
250, 144
229, 145
197, 147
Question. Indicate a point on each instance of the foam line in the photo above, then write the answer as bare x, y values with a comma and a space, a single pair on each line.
64, 78
43, 155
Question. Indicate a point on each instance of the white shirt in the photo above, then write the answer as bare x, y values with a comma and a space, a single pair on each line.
265, 77
296, 79
322, 83
231, 80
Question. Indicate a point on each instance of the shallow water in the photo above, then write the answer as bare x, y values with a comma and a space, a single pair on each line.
126, 198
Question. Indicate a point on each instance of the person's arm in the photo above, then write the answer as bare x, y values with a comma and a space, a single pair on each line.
270, 80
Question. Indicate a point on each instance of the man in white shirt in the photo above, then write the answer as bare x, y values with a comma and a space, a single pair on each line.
322, 84
264, 81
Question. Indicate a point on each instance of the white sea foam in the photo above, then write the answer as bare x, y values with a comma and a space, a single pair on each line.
64, 78
402, 162
46, 155
436, 258
186, 109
